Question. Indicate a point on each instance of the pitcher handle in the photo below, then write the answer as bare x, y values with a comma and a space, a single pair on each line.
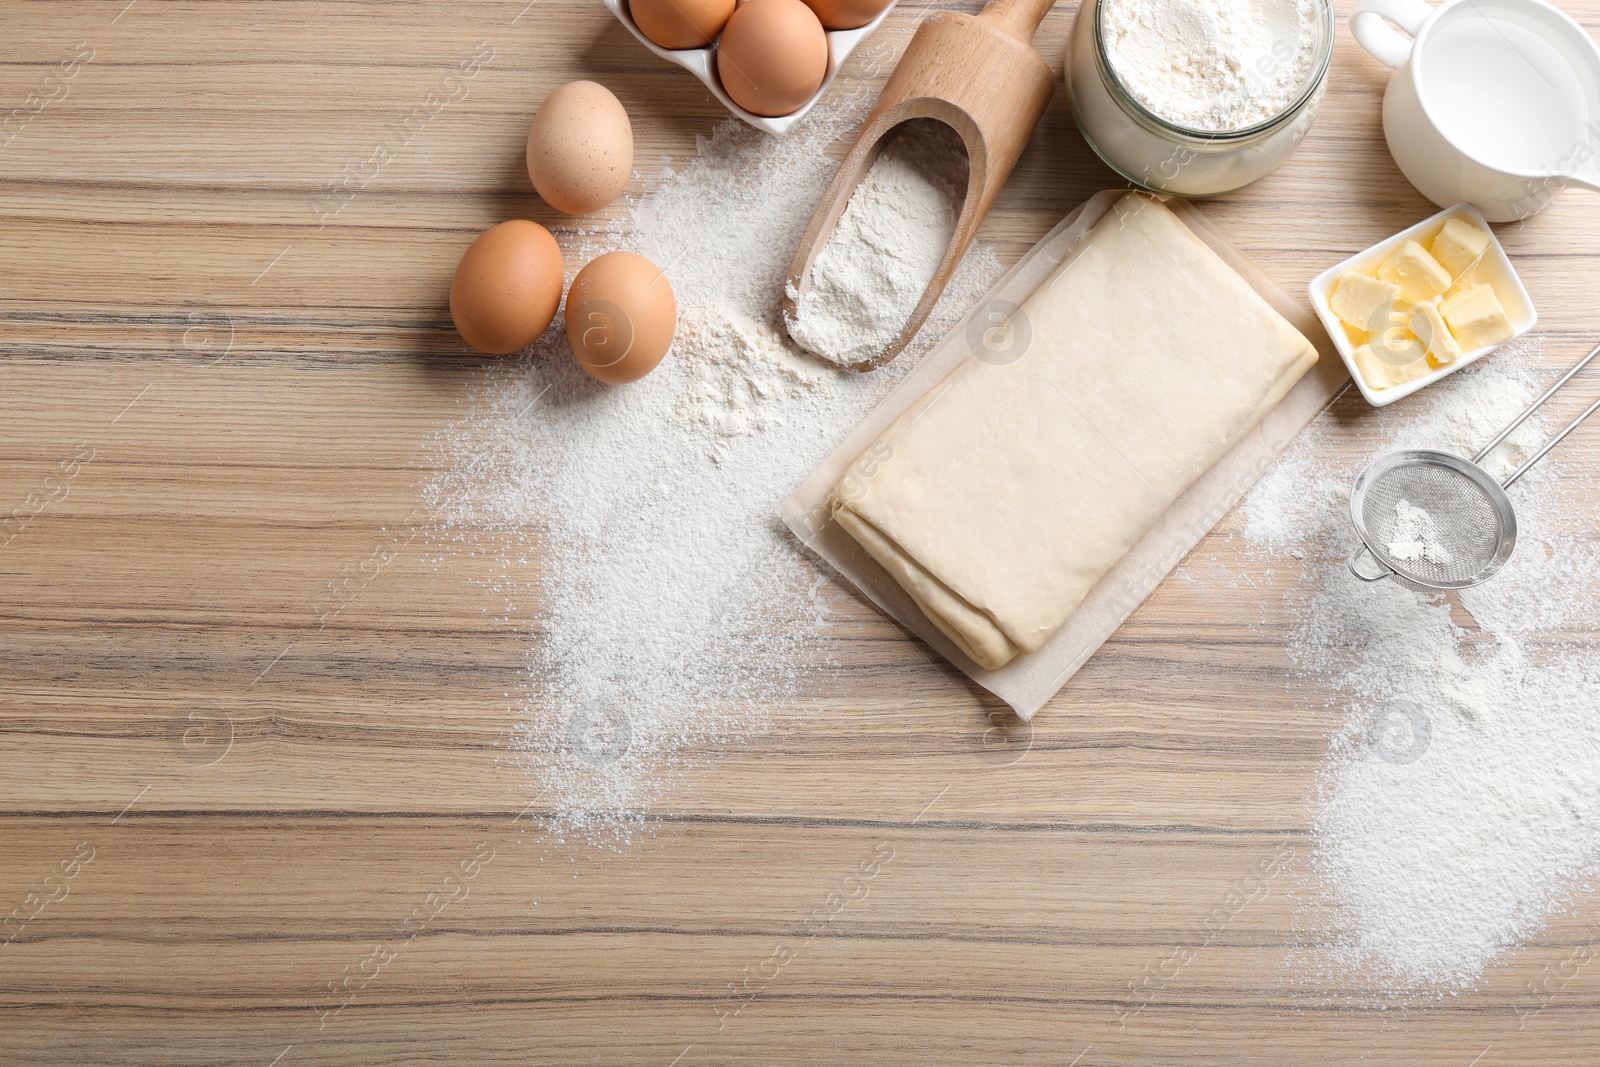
1386, 46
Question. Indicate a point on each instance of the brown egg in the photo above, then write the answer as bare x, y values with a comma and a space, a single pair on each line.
620, 317
580, 148
772, 56
681, 23
846, 14
507, 287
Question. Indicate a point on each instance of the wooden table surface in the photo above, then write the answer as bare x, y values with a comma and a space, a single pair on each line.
212, 404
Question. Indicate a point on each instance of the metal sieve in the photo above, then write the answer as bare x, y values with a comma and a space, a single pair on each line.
1468, 528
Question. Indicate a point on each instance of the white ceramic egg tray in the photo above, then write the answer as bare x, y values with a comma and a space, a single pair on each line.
702, 63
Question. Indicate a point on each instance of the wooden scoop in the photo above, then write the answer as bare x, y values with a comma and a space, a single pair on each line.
979, 75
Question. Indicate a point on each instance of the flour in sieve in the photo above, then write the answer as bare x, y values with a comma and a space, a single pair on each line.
673, 608
1458, 809
1415, 535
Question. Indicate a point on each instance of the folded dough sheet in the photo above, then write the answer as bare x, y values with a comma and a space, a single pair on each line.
1001, 497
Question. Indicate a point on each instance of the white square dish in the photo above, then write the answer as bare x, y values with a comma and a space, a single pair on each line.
701, 62
1502, 275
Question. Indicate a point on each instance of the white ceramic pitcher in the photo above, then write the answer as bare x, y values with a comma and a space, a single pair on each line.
1495, 103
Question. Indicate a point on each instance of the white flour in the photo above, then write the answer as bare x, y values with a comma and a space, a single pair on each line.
1459, 807
739, 374
1416, 535
886, 247
673, 610
1211, 64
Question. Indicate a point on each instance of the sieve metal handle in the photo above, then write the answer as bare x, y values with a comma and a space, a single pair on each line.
1368, 576
1556, 440
1520, 419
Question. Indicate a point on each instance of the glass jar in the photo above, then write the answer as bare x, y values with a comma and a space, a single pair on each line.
1156, 154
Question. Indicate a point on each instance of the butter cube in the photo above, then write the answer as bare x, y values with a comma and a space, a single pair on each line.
1375, 362
1458, 246
1416, 272
1357, 298
1476, 317
1428, 326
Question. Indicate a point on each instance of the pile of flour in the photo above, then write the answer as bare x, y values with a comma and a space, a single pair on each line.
1211, 64
1458, 809
886, 247
1416, 536
740, 375
673, 611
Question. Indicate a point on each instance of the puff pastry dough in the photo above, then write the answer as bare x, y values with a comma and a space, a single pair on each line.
1003, 495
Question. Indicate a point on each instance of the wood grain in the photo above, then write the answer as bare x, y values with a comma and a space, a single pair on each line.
255, 803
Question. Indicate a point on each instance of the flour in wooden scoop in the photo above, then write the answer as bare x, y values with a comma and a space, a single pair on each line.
886, 247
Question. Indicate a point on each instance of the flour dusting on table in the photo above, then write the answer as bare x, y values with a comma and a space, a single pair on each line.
673, 610
1458, 809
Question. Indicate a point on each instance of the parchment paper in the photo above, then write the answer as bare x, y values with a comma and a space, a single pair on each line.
1028, 682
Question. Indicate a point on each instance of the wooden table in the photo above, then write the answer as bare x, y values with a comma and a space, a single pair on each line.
213, 404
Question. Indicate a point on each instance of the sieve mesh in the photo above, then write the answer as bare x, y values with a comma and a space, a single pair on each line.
1466, 523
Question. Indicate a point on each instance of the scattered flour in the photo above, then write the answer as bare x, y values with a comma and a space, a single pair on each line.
739, 374
1458, 810
673, 609
1212, 64
886, 247
1416, 535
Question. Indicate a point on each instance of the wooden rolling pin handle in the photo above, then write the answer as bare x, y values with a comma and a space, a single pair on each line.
1017, 17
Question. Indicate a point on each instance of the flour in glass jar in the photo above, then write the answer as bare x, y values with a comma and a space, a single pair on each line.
1213, 65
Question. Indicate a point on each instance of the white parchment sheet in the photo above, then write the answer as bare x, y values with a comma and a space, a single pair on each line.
1028, 682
